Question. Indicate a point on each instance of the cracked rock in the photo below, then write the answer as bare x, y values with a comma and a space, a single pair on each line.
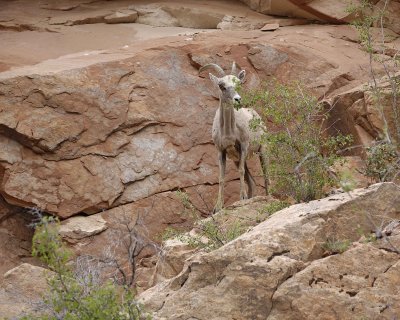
344, 285
246, 278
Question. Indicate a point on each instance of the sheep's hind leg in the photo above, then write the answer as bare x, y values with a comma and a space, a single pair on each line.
264, 164
242, 163
250, 181
222, 165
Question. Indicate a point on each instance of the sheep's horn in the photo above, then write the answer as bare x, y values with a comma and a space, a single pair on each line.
214, 66
234, 69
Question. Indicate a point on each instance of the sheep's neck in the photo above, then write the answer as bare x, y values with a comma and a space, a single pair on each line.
227, 119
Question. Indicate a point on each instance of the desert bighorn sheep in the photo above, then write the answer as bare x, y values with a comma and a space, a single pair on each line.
232, 134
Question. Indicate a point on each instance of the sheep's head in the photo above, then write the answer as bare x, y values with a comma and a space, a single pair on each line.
227, 84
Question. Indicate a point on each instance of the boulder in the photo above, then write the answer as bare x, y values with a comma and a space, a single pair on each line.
240, 23
391, 19
358, 114
79, 227
142, 144
345, 286
240, 280
270, 27
314, 10
22, 290
164, 15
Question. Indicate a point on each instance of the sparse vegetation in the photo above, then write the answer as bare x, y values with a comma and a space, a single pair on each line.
208, 234
333, 246
270, 209
367, 236
211, 233
383, 161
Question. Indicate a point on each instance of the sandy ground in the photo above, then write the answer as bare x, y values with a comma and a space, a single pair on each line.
31, 47
28, 34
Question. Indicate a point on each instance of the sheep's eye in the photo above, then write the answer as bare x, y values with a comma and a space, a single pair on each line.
222, 86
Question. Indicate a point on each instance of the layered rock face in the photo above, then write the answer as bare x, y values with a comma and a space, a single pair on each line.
104, 133
324, 10
357, 113
277, 270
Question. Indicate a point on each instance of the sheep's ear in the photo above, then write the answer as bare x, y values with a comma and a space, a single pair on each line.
242, 75
214, 79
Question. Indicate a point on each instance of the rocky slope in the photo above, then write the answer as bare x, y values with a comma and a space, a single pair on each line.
309, 261
278, 269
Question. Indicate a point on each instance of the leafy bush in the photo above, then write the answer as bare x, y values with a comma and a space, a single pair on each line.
383, 161
72, 297
299, 154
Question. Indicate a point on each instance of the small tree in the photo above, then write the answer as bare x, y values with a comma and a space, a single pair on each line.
299, 153
130, 237
75, 295
383, 157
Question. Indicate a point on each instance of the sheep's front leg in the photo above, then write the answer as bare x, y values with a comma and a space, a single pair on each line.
243, 156
222, 165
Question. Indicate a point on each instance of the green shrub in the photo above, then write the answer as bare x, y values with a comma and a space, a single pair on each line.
216, 235
299, 154
72, 297
332, 246
383, 161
